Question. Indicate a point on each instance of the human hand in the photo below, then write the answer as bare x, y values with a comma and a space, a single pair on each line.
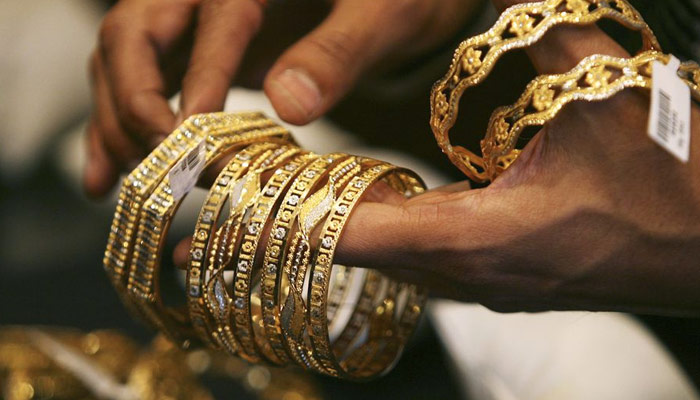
148, 50
592, 216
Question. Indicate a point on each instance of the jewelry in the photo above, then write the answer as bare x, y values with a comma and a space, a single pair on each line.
221, 132
269, 311
242, 191
381, 322
518, 27
276, 248
595, 78
200, 273
245, 258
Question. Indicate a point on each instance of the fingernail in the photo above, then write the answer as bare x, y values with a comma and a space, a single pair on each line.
300, 91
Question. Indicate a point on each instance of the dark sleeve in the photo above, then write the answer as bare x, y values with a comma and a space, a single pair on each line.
676, 24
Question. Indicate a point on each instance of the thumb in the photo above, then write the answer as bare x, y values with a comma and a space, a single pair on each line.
311, 76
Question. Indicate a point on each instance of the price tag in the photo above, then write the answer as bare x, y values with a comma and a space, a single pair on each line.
669, 114
185, 173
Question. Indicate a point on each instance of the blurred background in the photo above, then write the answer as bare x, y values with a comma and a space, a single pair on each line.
53, 237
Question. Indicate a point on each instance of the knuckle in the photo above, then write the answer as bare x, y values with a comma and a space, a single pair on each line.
130, 111
336, 46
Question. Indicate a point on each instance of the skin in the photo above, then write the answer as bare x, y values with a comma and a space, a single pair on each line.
149, 50
592, 216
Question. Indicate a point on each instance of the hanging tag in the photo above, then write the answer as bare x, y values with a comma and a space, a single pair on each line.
185, 173
669, 114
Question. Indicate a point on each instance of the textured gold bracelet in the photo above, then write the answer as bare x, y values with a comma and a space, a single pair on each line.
199, 271
277, 243
148, 228
321, 266
245, 260
309, 214
207, 296
595, 78
138, 186
519, 26
142, 181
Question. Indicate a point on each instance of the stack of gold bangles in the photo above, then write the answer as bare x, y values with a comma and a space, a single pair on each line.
596, 78
261, 282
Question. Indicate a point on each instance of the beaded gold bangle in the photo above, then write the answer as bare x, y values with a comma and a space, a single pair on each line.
518, 27
245, 259
321, 266
218, 129
139, 184
310, 213
208, 299
595, 78
199, 272
276, 247
157, 211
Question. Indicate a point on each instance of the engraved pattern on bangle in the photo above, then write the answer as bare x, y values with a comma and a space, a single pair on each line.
519, 26
595, 78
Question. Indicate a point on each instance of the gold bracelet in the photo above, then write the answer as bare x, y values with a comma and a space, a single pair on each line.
277, 243
308, 215
595, 78
209, 302
156, 211
321, 267
199, 272
141, 182
475, 58
245, 260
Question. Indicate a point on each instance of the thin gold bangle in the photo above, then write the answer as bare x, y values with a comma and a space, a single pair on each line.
199, 270
321, 267
277, 243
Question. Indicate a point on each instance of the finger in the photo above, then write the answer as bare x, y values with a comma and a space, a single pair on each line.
136, 83
315, 73
100, 173
119, 146
224, 29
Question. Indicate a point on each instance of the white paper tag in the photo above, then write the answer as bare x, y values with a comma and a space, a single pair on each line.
185, 173
669, 114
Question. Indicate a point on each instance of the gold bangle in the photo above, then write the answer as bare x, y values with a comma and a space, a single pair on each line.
310, 213
199, 272
595, 78
154, 216
141, 182
475, 58
277, 243
321, 267
208, 298
245, 259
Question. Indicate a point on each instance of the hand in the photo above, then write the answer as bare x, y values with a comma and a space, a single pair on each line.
592, 216
144, 48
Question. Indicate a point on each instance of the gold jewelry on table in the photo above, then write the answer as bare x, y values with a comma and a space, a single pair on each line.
518, 27
66, 364
595, 78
